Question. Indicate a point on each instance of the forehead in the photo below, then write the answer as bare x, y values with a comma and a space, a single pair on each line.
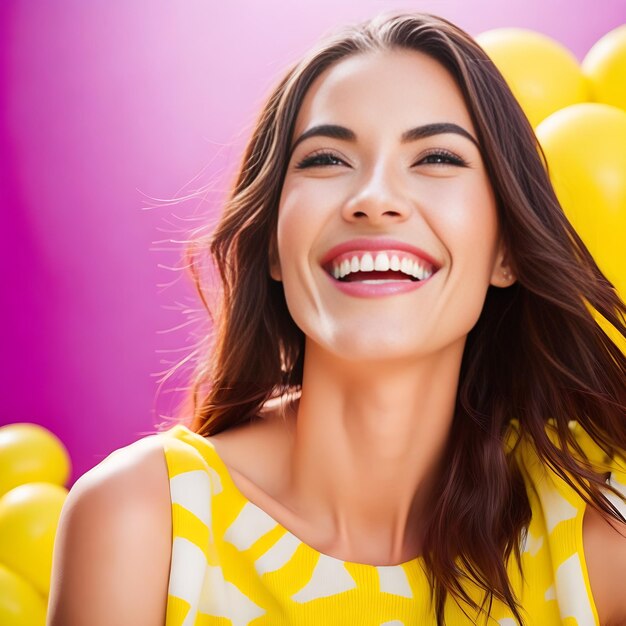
396, 88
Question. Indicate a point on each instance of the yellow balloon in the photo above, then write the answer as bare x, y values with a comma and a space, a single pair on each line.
29, 517
31, 453
20, 604
543, 74
585, 147
605, 68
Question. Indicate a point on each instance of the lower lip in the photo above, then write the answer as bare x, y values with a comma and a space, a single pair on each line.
369, 290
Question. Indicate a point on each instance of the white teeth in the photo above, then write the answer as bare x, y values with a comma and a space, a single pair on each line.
345, 268
381, 264
367, 263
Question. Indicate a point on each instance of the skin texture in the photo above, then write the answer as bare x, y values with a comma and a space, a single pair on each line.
113, 545
380, 375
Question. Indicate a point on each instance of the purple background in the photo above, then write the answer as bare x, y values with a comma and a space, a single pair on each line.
108, 106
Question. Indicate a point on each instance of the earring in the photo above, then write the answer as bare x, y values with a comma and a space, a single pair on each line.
506, 274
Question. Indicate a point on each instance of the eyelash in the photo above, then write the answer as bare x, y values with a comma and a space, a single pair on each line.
316, 158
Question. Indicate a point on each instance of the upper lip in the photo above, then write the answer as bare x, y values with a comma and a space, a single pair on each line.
378, 243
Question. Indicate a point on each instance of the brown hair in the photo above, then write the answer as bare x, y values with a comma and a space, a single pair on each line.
535, 353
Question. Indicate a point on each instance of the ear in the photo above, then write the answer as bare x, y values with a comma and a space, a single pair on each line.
274, 261
502, 274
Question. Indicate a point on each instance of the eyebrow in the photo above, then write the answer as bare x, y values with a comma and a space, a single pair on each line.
419, 132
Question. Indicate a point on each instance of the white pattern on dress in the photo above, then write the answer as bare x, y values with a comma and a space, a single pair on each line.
571, 594
192, 490
278, 555
329, 577
249, 526
187, 572
531, 544
221, 598
556, 508
393, 580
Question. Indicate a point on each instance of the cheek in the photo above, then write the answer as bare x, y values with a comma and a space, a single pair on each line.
291, 234
468, 229
301, 214
464, 217
301, 220
294, 245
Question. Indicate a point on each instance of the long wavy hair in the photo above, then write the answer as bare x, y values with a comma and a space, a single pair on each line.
536, 352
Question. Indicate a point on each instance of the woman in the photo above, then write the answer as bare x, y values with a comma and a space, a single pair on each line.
407, 391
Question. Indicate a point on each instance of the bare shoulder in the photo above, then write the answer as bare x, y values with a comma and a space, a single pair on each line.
113, 545
605, 554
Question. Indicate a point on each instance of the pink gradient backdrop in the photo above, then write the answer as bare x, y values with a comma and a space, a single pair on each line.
105, 104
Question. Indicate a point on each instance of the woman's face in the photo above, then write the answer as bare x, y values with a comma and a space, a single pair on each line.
430, 192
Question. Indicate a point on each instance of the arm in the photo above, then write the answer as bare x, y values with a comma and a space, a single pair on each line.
113, 545
605, 554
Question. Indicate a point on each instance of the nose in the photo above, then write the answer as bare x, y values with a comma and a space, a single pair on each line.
377, 200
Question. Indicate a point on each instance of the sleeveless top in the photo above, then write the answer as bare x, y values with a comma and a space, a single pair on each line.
233, 564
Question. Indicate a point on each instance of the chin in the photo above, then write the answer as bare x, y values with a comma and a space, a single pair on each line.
369, 349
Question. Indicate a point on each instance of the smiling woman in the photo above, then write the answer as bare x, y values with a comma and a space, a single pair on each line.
407, 396
384, 184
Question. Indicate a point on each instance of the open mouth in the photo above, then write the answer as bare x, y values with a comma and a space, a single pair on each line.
376, 277
379, 267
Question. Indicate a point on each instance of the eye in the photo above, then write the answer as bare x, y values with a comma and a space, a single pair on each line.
325, 158
443, 157
322, 158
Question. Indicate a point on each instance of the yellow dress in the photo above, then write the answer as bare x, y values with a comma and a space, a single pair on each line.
233, 564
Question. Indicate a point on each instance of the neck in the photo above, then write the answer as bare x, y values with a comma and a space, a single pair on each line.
368, 443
